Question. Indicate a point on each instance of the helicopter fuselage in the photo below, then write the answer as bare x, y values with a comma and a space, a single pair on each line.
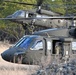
49, 23
31, 48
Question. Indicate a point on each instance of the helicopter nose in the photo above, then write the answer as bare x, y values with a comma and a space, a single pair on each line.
5, 56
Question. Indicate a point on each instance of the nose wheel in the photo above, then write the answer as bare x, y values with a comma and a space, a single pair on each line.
17, 59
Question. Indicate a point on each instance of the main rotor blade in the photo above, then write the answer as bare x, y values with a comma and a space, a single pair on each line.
62, 17
21, 3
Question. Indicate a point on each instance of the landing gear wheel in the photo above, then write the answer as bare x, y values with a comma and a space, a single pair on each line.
18, 59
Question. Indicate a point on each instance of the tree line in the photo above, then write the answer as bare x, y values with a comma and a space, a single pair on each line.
13, 31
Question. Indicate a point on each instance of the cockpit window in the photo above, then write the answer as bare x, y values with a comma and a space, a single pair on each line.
19, 13
31, 15
20, 41
49, 45
38, 45
25, 42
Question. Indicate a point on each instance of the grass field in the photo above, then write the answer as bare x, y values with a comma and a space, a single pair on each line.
7, 68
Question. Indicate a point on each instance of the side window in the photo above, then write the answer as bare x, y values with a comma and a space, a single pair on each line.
49, 44
73, 45
38, 45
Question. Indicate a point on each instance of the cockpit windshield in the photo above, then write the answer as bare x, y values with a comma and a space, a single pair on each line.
19, 13
25, 42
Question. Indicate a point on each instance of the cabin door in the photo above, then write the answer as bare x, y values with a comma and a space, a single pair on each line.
36, 52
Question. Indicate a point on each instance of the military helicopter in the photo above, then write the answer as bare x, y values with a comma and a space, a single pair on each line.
30, 48
34, 24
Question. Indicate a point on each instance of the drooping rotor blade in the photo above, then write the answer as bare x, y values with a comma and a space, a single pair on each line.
21, 3
62, 17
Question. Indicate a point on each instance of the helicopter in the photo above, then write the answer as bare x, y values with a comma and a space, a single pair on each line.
37, 24
31, 48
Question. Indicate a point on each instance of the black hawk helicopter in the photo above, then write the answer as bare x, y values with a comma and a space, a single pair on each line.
30, 48
37, 24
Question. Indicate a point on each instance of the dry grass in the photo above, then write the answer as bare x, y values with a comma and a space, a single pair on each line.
4, 46
7, 68
15, 72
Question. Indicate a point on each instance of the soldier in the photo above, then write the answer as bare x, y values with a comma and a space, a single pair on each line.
58, 48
